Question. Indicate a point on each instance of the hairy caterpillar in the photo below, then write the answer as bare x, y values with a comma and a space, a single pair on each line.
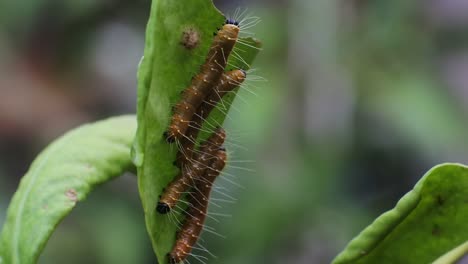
227, 83
198, 171
196, 213
191, 172
203, 82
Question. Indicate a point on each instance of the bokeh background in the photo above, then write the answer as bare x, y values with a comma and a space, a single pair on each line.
362, 98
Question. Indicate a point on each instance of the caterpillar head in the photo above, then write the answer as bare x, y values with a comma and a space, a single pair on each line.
244, 72
236, 77
231, 22
163, 208
172, 259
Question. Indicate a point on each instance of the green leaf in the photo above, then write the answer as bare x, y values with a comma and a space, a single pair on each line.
62, 175
165, 70
427, 222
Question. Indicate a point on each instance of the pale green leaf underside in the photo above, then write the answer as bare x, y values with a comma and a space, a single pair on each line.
62, 175
165, 70
426, 223
453, 255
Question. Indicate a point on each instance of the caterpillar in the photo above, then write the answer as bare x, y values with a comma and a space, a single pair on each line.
196, 213
171, 195
202, 83
227, 83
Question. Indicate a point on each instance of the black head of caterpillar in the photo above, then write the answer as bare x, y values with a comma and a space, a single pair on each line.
231, 22
197, 167
196, 213
227, 83
203, 82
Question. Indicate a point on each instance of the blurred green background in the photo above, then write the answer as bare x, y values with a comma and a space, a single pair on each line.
362, 98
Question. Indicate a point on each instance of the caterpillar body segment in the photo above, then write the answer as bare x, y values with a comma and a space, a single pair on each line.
197, 210
226, 84
202, 84
191, 172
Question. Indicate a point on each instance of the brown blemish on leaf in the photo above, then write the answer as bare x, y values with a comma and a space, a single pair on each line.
440, 200
436, 230
190, 38
72, 195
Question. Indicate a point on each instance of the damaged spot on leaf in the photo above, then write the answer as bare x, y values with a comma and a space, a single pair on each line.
72, 195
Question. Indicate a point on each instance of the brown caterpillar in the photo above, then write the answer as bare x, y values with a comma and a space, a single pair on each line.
196, 213
171, 195
227, 83
203, 82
